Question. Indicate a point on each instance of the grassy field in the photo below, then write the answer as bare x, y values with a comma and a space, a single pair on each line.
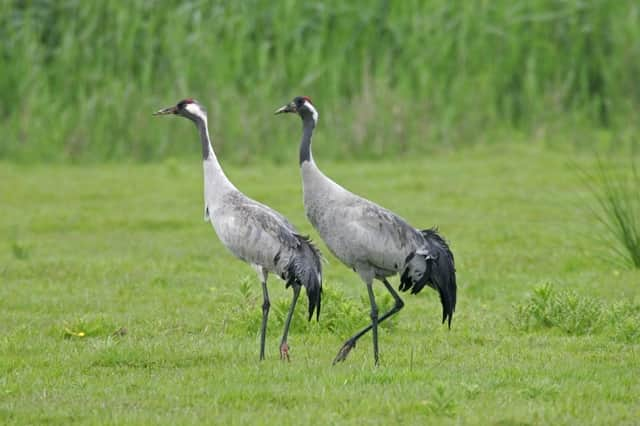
118, 305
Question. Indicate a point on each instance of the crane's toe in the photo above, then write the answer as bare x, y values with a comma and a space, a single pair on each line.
284, 351
344, 351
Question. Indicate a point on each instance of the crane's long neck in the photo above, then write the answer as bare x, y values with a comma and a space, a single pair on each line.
207, 149
215, 181
317, 188
308, 124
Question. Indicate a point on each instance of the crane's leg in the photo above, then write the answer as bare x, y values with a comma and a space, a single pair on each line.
265, 311
284, 347
351, 342
374, 321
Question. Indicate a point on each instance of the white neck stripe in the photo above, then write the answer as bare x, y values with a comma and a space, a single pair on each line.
194, 109
314, 112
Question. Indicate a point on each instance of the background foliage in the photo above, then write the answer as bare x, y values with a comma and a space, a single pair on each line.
80, 79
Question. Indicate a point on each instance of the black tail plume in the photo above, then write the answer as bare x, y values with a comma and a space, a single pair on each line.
305, 269
433, 265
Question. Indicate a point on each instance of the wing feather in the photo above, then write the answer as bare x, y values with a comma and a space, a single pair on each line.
252, 231
384, 238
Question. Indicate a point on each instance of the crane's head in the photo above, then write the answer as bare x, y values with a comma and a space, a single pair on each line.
188, 108
301, 105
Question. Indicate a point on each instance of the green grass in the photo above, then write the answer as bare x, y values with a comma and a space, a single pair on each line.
618, 209
118, 305
80, 79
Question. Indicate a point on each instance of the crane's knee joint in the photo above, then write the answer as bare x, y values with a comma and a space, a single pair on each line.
266, 305
374, 314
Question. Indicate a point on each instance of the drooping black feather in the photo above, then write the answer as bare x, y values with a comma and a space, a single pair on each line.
305, 269
433, 265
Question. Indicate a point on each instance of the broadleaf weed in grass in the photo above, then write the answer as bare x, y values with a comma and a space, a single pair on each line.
372, 377
246, 289
577, 314
441, 402
92, 326
340, 315
624, 320
544, 389
549, 308
19, 248
565, 310
471, 390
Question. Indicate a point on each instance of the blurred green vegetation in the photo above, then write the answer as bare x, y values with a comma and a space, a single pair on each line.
81, 78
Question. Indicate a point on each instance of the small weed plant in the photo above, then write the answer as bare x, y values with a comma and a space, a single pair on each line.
618, 209
573, 314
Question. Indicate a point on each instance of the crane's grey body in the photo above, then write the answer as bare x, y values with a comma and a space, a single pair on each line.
373, 241
250, 230
254, 232
363, 235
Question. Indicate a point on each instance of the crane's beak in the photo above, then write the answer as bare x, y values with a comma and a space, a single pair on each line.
165, 111
291, 107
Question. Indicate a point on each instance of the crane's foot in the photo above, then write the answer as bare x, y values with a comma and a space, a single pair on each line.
344, 351
284, 351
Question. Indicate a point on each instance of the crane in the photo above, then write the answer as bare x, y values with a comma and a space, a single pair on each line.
373, 241
254, 232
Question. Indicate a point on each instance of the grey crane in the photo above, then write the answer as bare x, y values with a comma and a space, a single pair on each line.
373, 241
254, 232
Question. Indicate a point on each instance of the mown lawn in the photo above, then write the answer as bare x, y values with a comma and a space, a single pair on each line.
119, 305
